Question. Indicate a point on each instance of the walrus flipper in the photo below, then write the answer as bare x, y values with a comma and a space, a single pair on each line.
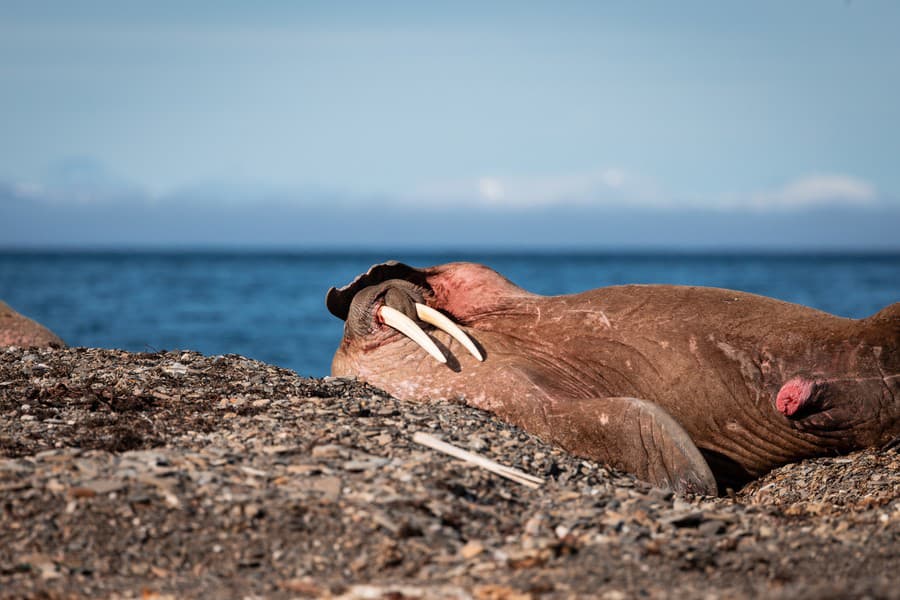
636, 436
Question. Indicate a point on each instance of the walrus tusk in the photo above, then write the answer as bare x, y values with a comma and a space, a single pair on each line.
442, 322
408, 327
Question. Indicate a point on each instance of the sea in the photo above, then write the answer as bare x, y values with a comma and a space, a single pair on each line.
270, 305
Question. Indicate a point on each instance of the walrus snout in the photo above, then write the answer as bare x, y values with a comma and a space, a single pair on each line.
338, 300
400, 305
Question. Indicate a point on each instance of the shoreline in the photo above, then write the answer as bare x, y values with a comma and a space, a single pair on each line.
174, 473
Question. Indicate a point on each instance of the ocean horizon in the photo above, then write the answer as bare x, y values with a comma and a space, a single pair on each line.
268, 303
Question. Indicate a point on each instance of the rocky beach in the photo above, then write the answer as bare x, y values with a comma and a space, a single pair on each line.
174, 474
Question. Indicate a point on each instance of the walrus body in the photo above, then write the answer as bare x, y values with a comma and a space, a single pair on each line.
682, 386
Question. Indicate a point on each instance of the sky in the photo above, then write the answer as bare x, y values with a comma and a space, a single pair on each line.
515, 124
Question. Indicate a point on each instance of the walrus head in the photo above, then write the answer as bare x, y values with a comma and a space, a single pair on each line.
393, 299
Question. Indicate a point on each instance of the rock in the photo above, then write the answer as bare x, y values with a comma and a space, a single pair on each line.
304, 587
19, 330
713, 527
471, 549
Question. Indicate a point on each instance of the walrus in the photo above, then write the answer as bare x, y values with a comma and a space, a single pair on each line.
693, 388
18, 330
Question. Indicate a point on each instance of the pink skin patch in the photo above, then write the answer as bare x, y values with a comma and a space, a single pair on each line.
793, 395
466, 290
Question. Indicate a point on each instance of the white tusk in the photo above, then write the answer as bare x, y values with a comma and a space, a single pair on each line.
408, 327
441, 321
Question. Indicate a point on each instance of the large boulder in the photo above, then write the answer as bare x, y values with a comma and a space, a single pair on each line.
18, 330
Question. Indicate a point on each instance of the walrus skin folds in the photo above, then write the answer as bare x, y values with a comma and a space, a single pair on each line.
687, 387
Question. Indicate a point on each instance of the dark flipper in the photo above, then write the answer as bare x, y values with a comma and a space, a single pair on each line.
633, 435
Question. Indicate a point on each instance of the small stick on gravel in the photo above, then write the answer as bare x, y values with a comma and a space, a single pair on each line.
485, 463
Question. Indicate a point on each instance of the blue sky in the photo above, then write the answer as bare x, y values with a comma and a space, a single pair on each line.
659, 123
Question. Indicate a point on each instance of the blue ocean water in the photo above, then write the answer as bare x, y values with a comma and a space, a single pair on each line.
270, 305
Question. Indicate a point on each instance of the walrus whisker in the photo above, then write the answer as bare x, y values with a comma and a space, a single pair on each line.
396, 319
442, 322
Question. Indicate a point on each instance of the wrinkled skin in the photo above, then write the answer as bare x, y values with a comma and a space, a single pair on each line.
693, 388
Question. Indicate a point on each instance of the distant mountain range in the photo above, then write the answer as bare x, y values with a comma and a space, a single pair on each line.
316, 219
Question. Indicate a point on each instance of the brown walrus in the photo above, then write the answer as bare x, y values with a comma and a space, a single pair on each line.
19, 330
682, 386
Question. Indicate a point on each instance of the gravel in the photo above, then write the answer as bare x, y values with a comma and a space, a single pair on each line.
174, 474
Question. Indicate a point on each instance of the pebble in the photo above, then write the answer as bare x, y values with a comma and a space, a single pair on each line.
181, 475
471, 549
